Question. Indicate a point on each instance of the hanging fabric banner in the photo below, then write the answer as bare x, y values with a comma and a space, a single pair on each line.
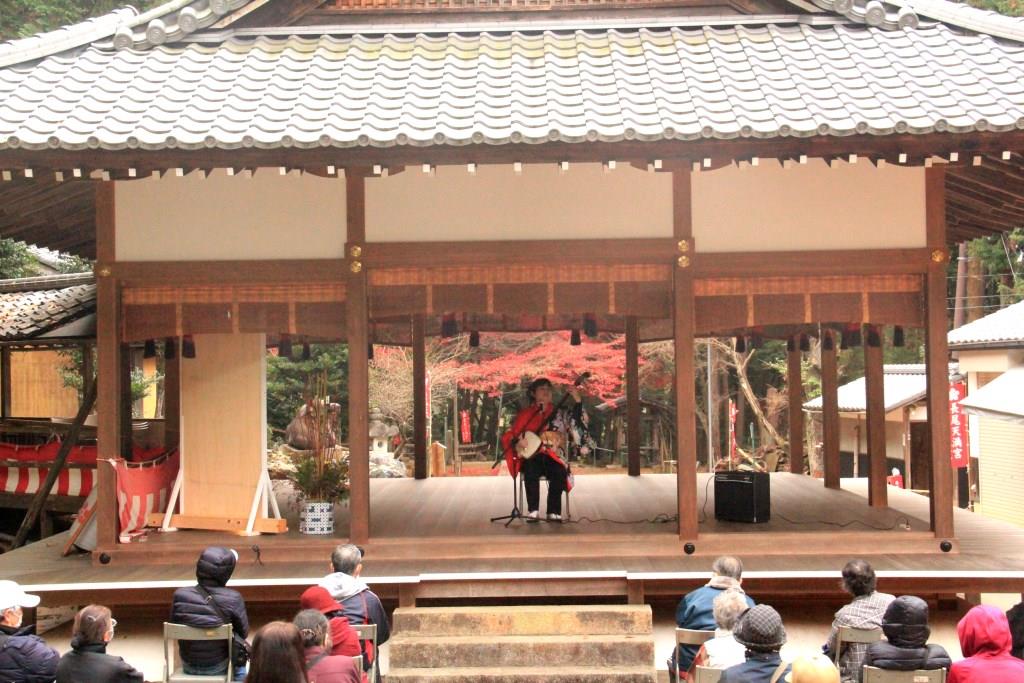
959, 450
464, 432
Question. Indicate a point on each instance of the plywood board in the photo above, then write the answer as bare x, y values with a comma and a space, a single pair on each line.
224, 424
36, 386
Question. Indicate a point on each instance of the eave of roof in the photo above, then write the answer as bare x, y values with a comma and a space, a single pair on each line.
1003, 329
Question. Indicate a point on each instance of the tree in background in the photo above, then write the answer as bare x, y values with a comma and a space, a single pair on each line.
22, 18
16, 260
287, 380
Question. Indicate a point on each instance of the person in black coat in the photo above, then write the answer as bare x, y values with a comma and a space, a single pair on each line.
88, 661
905, 624
24, 656
1015, 616
191, 606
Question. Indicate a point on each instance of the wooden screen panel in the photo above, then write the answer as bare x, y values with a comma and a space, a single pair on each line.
323, 320
521, 298
644, 299
223, 424
148, 321
581, 297
460, 298
263, 318
778, 309
397, 300
37, 389
897, 308
715, 313
206, 318
836, 308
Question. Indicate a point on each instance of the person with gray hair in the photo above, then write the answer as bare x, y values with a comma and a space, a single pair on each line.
724, 650
865, 611
696, 609
358, 603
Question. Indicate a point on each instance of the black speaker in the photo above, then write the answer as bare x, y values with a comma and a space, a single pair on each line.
742, 497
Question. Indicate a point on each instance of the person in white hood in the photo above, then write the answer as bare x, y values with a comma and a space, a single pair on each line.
359, 604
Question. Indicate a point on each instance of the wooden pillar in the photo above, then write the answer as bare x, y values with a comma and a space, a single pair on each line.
633, 434
357, 331
125, 413
937, 355
172, 402
109, 369
874, 380
419, 397
5, 382
795, 389
830, 410
683, 333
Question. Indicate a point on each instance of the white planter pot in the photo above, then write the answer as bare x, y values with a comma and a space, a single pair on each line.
317, 518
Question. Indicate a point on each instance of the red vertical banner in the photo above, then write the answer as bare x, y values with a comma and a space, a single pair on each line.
464, 426
959, 449
733, 412
426, 380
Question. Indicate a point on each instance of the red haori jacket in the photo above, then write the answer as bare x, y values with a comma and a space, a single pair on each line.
529, 419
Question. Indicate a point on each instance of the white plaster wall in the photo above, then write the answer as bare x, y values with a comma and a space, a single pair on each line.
541, 202
808, 206
848, 436
267, 216
994, 360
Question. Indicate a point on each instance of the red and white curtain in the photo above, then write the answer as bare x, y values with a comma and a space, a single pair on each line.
143, 489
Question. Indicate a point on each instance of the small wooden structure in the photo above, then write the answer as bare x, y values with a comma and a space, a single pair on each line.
360, 172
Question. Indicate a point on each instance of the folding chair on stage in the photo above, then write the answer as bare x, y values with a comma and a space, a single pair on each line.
175, 632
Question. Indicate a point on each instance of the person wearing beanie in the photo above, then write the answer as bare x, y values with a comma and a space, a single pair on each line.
202, 606
344, 639
759, 630
24, 656
906, 648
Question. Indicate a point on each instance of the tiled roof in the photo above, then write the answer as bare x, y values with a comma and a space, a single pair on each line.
1002, 329
903, 385
31, 307
64, 38
571, 86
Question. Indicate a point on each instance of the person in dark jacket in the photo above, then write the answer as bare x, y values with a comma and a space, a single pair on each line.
1015, 617
760, 630
905, 624
24, 656
192, 606
359, 604
88, 661
696, 610
321, 665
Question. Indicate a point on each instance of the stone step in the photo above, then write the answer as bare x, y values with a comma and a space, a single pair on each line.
546, 674
424, 652
525, 620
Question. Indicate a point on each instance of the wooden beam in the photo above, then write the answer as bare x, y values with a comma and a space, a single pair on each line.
633, 434
830, 410
70, 440
108, 375
507, 252
172, 401
795, 390
683, 333
5, 382
421, 439
874, 381
812, 263
264, 525
357, 330
937, 355
127, 405
156, 273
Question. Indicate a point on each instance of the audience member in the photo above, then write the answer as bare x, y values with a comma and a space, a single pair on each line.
24, 656
864, 611
210, 603
321, 665
815, 668
723, 650
277, 655
696, 609
906, 648
359, 604
344, 639
760, 631
88, 661
985, 641
1016, 619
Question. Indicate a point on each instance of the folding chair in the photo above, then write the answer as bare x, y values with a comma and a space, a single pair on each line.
369, 632
875, 675
849, 634
705, 674
689, 636
175, 632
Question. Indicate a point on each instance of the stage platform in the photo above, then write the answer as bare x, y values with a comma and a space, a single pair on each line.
432, 541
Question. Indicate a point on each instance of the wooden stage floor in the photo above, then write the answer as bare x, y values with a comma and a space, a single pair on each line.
432, 540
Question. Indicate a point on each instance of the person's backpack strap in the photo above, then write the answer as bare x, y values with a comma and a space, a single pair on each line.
216, 608
778, 672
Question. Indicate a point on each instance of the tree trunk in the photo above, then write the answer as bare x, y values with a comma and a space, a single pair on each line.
975, 289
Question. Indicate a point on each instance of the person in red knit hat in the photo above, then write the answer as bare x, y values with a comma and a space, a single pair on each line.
344, 638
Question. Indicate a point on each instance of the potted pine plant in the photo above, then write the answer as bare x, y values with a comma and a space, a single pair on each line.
321, 474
